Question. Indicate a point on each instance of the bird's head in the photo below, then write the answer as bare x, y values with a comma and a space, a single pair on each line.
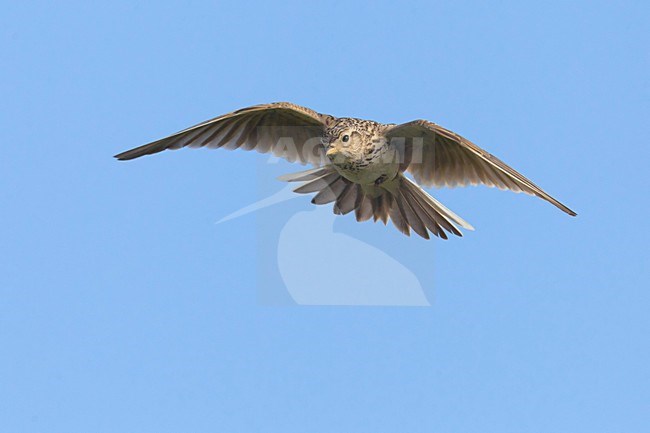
346, 140
342, 145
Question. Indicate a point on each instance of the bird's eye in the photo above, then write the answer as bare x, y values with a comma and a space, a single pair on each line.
346, 138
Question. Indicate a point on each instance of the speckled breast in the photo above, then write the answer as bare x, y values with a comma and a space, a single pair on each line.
375, 167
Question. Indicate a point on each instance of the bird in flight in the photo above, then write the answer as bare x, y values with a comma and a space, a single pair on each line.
360, 164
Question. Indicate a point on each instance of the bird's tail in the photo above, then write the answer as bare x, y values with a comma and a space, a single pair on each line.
406, 204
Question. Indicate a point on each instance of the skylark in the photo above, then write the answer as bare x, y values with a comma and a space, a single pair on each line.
360, 164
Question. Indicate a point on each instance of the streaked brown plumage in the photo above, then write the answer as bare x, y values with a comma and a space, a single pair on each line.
360, 163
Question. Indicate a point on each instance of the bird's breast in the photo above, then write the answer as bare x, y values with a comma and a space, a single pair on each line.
371, 167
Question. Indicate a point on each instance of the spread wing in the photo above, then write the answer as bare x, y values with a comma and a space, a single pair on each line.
287, 130
444, 158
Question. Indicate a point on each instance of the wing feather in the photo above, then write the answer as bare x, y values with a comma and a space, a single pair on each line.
288, 130
447, 159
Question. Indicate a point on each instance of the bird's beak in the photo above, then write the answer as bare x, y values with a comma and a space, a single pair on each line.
332, 152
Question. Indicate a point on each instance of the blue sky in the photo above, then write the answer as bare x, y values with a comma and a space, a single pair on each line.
124, 307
